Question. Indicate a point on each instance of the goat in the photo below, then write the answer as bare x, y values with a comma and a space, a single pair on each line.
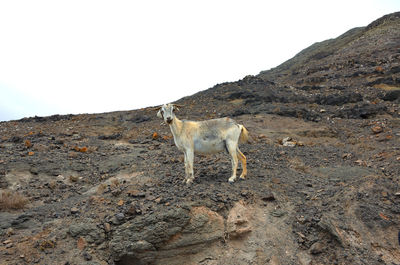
206, 137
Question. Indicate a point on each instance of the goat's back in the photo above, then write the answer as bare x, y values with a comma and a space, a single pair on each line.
221, 123
214, 129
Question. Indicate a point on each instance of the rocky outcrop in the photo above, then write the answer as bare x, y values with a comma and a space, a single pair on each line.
238, 221
175, 232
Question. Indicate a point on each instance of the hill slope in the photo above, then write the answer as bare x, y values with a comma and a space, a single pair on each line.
105, 189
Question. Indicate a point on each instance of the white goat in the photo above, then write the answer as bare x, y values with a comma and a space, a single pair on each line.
206, 137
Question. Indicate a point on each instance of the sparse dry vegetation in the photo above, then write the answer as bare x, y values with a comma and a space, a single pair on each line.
83, 149
52, 184
297, 164
101, 188
28, 144
114, 183
13, 200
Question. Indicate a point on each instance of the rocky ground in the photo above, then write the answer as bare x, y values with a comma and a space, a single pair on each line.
323, 184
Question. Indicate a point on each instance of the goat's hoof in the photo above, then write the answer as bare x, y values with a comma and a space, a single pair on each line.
242, 178
231, 181
189, 182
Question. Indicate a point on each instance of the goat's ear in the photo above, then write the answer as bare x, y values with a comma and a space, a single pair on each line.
159, 113
155, 108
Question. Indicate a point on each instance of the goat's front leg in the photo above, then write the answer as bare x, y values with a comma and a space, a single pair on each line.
189, 163
186, 168
231, 146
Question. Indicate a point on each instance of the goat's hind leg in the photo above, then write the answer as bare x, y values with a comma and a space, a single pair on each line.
242, 159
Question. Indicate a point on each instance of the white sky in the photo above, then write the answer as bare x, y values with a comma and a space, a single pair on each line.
60, 57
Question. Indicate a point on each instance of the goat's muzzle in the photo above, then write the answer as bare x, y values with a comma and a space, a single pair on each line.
169, 120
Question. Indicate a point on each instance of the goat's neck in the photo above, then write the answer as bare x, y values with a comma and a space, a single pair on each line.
176, 127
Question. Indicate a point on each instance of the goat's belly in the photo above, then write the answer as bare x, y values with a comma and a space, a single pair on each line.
208, 147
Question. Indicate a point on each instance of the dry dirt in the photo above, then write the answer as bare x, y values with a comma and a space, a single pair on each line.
105, 189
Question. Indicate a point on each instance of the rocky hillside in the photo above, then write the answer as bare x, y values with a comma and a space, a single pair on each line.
323, 184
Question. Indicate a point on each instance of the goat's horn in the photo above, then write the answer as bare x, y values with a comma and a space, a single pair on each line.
178, 105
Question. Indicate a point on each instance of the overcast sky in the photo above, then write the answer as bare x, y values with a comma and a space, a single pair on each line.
60, 57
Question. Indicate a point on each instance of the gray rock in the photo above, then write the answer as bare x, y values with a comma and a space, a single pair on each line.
120, 216
34, 170
316, 248
86, 256
6, 219
22, 221
118, 219
278, 213
90, 231
329, 224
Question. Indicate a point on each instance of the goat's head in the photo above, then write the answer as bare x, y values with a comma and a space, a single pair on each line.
166, 112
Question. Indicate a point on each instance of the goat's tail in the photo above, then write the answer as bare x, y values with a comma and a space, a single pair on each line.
244, 135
